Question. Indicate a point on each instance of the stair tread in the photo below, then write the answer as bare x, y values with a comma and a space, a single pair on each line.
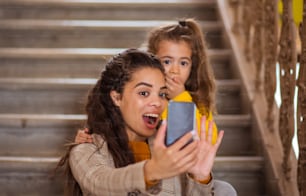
45, 117
222, 163
20, 82
81, 52
94, 24
242, 120
244, 160
111, 2
52, 159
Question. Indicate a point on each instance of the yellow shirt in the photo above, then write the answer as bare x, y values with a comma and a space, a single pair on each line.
140, 150
186, 97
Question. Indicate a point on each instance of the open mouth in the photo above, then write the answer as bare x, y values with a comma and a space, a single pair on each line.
151, 119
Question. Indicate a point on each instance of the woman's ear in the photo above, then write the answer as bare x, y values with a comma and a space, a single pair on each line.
115, 97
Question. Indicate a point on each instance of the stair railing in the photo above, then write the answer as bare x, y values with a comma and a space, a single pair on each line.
263, 47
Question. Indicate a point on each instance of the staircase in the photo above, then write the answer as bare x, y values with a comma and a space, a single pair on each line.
51, 52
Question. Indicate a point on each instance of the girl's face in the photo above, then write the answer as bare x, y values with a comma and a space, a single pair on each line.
142, 102
176, 58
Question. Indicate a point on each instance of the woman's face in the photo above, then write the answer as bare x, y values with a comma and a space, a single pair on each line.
176, 59
142, 102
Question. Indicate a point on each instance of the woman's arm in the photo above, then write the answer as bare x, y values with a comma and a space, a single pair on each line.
201, 173
94, 171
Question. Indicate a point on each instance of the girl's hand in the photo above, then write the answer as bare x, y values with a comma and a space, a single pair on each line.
83, 137
206, 152
170, 161
174, 86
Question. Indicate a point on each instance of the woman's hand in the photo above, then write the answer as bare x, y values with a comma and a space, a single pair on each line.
206, 152
173, 160
174, 86
83, 137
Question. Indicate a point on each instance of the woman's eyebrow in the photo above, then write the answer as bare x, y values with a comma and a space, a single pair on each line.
149, 85
143, 83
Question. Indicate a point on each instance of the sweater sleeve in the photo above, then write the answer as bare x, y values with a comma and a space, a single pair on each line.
196, 188
186, 97
94, 171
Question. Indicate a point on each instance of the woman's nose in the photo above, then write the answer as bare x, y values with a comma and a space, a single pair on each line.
157, 101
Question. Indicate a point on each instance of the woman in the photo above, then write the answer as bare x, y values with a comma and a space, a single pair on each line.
182, 50
128, 156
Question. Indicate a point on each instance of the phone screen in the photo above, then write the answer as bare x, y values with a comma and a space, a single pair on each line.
181, 120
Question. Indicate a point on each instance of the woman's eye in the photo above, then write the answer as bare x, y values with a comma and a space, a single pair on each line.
144, 93
163, 95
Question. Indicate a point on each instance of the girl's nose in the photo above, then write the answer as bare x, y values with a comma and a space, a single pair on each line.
174, 69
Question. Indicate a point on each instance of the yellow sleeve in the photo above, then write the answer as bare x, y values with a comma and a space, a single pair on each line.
185, 96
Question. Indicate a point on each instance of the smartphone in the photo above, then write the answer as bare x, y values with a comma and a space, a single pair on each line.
181, 119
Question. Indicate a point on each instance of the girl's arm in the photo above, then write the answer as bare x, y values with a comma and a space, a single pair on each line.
83, 136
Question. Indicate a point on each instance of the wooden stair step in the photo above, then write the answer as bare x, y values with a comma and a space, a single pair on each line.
80, 62
238, 138
222, 163
106, 9
29, 176
68, 95
89, 33
229, 96
244, 173
32, 174
81, 53
37, 134
51, 131
49, 24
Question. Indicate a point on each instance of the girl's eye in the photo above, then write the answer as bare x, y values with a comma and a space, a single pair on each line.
184, 63
166, 62
144, 93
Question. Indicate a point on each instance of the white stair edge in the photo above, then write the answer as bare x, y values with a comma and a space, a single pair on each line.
95, 24
122, 3
80, 52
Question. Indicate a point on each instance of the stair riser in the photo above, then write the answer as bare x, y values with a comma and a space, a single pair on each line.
52, 68
236, 141
34, 184
245, 182
43, 101
33, 177
228, 101
85, 38
105, 12
36, 141
71, 101
50, 141
77, 68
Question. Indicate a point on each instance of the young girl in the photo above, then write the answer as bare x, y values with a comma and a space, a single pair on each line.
134, 82
189, 77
